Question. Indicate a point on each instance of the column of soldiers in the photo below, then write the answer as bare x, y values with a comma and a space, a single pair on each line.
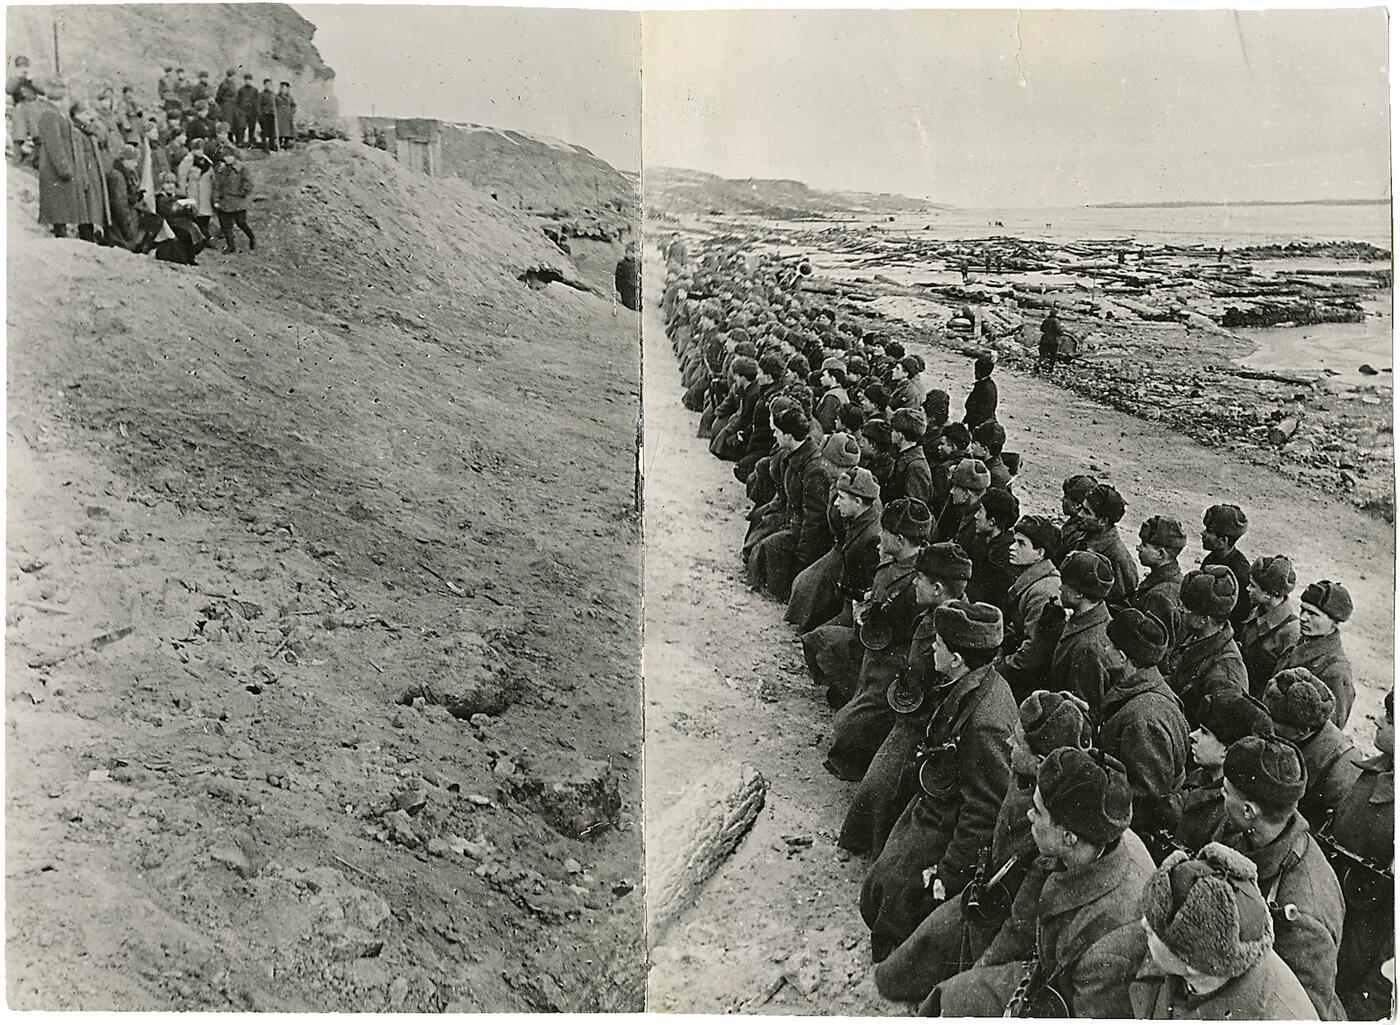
1084, 790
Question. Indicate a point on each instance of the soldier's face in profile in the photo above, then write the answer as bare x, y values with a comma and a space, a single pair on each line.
1149, 555
927, 592
1385, 734
1206, 749
1239, 812
1049, 838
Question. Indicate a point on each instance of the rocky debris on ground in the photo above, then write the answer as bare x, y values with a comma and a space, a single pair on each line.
349, 919
578, 797
1153, 331
478, 680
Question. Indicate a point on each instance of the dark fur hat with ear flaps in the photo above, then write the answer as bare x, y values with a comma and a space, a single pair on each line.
1208, 910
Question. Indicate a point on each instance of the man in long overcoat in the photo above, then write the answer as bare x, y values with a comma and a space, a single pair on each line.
1264, 779
60, 178
1207, 658
958, 931
1077, 911
943, 571
1324, 606
878, 644
1160, 541
285, 109
963, 775
1143, 724
1084, 660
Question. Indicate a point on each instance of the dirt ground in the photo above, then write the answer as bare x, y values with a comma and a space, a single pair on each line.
777, 928
268, 518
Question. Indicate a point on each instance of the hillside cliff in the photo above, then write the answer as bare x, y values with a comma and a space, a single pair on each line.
679, 190
130, 44
522, 170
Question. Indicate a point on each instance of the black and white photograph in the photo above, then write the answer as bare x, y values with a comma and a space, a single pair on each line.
767, 512
1019, 530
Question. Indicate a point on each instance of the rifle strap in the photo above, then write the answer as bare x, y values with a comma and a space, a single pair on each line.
1099, 926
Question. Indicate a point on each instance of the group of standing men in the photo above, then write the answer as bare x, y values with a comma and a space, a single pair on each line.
1085, 790
145, 181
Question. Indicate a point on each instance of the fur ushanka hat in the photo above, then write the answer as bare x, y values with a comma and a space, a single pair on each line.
1208, 910
1052, 719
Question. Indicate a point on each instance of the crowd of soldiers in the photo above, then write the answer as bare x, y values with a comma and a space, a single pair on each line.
146, 179
1083, 791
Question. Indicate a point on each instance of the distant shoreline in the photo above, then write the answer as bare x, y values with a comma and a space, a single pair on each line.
1176, 204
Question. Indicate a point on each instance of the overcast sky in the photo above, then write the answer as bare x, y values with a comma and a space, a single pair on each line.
572, 75
1041, 108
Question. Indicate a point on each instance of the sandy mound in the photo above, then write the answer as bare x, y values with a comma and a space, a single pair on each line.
322, 663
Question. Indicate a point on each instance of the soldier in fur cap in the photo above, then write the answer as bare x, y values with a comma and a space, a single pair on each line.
957, 932
1207, 658
963, 771
1160, 541
968, 484
1224, 525
807, 480
945, 451
1099, 514
1210, 941
1264, 779
908, 387
1075, 489
1301, 706
885, 629
1271, 627
1083, 660
1324, 606
988, 543
942, 575
825, 589
1026, 651
1226, 716
1076, 914
1144, 726
988, 440
877, 451
911, 477
833, 651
